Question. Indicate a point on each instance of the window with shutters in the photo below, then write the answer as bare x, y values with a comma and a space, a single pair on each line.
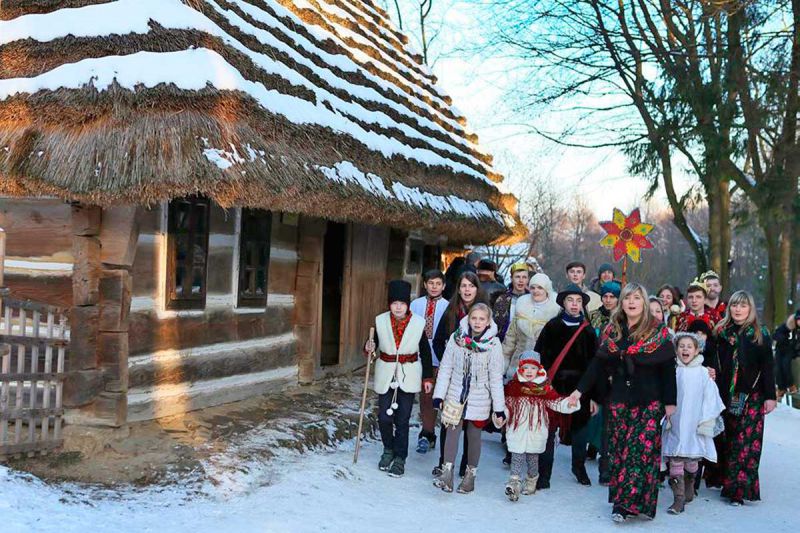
187, 252
254, 246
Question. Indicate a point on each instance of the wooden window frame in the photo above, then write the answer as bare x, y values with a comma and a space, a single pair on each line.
255, 231
176, 301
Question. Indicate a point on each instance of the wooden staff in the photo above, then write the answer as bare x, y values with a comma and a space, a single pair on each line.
624, 271
370, 357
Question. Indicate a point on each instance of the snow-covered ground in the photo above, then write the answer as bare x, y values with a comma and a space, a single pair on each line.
324, 491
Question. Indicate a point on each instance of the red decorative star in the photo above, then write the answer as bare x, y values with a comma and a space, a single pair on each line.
626, 235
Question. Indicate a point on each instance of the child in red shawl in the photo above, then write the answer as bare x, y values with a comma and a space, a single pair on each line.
531, 402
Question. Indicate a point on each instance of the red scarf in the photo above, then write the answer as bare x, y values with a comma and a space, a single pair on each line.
399, 328
522, 397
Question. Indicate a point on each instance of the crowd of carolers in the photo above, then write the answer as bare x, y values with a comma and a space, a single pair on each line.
655, 388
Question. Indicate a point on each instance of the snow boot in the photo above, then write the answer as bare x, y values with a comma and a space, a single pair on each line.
507, 459
513, 488
689, 483
444, 480
398, 467
423, 445
579, 470
467, 484
437, 471
386, 460
619, 515
678, 491
542, 483
529, 489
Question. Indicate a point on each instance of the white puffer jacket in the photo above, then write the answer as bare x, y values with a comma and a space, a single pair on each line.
486, 386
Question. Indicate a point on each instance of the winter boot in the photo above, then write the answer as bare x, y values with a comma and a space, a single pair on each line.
513, 488
467, 484
423, 445
507, 459
579, 470
386, 460
542, 483
444, 480
619, 515
529, 489
688, 482
398, 467
678, 491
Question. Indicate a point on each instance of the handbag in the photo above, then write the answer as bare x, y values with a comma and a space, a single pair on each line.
452, 412
739, 400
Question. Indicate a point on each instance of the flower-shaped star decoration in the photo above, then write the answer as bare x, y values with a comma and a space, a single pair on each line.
626, 235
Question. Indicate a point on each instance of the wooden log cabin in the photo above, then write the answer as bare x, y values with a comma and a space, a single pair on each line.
219, 190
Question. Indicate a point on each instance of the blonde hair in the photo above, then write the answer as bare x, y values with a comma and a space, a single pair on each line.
480, 306
646, 325
743, 297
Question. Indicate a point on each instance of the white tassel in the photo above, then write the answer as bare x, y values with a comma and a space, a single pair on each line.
394, 406
390, 412
394, 384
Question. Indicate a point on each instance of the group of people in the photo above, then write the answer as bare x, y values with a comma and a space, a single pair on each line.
654, 387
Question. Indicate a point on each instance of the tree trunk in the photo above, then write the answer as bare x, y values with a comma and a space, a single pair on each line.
775, 304
725, 233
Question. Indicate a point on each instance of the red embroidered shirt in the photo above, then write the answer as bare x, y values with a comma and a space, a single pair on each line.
399, 328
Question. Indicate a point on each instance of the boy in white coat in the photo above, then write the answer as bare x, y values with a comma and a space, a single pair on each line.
403, 369
530, 401
688, 434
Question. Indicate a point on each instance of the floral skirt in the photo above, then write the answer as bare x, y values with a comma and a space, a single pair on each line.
744, 436
635, 453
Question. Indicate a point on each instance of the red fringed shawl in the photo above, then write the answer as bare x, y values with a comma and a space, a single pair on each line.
522, 398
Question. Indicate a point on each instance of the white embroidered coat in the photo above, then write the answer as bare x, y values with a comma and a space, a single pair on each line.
407, 375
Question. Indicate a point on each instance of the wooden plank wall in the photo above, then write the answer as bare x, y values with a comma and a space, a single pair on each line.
39, 249
174, 350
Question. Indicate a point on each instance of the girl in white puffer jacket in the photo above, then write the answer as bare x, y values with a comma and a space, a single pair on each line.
469, 390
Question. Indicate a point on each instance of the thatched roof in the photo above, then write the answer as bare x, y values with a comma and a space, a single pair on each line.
308, 106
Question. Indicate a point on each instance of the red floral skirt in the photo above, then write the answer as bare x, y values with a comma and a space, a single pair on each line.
744, 436
635, 453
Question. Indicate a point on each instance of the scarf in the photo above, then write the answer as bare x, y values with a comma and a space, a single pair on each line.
430, 312
399, 328
733, 335
523, 397
473, 343
571, 320
625, 345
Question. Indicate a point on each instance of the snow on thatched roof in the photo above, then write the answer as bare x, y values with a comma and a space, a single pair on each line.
303, 106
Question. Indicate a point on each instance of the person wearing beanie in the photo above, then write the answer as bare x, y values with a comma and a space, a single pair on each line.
609, 295
568, 331
431, 307
533, 406
532, 312
403, 368
576, 274
605, 274
505, 305
487, 273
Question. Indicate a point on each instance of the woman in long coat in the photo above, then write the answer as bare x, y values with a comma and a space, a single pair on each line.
532, 312
747, 388
637, 355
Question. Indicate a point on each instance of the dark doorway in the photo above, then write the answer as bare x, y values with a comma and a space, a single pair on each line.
332, 289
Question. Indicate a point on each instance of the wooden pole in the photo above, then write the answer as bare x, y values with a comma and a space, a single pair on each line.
624, 271
2, 257
370, 357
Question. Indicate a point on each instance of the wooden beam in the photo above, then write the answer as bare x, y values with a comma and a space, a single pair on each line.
119, 235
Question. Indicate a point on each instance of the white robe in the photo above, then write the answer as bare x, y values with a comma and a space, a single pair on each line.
688, 432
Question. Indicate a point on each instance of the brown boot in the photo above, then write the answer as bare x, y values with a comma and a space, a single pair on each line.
688, 482
467, 484
678, 491
444, 480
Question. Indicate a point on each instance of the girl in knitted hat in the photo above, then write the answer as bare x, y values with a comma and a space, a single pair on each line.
688, 434
530, 401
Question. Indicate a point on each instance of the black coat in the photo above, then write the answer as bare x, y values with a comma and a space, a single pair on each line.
552, 339
753, 358
635, 380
